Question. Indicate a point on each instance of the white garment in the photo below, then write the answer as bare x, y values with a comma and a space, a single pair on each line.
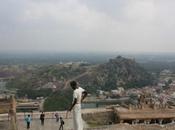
78, 94
77, 119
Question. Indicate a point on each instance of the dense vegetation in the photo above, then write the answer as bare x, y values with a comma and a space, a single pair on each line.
60, 100
117, 72
33, 94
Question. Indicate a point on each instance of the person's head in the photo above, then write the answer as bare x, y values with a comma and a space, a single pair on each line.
61, 118
73, 85
28, 115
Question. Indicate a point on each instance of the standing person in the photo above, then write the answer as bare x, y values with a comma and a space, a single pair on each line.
28, 120
78, 96
61, 123
42, 116
57, 116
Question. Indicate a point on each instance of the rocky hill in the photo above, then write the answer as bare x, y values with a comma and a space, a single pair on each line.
50, 80
116, 73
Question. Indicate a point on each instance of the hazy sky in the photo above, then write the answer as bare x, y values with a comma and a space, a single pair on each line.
87, 25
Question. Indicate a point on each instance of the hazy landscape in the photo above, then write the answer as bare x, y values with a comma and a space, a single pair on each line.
121, 52
34, 75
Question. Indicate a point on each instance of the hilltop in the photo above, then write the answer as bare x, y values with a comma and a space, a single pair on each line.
118, 72
115, 73
50, 80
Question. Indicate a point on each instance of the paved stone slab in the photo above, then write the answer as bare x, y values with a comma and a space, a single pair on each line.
50, 124
3, 125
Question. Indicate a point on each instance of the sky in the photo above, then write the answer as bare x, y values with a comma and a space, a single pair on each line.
87, 25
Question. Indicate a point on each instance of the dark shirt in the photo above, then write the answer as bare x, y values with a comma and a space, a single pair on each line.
42, 116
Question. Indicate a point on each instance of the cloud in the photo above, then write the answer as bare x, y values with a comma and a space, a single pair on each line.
87, 25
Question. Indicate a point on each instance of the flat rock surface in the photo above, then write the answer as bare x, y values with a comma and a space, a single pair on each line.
50, 124
3, 125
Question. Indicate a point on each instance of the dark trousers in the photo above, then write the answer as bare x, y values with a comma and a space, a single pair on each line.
28, 125
42, 121
61, 127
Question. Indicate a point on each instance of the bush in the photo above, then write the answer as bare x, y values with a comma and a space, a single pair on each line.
60, 100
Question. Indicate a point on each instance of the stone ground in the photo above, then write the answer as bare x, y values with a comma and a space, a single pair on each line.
142, 127
50, 124
3, 125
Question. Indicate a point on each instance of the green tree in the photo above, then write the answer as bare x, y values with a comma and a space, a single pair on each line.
60, 100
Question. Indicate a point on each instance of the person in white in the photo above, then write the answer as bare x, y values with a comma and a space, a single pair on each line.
78, 96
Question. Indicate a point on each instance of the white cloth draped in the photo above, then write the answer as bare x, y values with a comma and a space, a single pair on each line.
77, 119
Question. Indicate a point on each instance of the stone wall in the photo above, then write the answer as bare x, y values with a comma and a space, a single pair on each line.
99, 118
135, 127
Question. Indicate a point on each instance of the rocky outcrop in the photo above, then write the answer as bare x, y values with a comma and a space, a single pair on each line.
116, 73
